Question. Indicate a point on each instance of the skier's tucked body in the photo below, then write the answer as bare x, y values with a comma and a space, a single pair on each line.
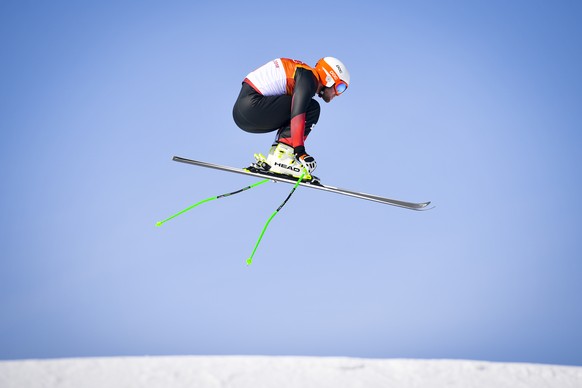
278, 96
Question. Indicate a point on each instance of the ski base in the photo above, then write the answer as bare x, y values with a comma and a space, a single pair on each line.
313, 184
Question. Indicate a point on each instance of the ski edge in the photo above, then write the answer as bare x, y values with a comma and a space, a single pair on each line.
418, 206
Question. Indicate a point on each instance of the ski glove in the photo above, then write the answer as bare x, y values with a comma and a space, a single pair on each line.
305, 159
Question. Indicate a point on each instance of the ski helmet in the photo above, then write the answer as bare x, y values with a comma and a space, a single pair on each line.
332, 72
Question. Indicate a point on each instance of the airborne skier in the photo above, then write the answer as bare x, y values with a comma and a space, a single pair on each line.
278, 97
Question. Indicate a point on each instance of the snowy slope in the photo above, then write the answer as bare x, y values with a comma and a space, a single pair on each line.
280, 372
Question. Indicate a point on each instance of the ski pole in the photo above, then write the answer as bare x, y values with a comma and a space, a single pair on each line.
250, 259
160, 223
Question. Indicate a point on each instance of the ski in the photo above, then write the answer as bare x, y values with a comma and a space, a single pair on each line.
314, 185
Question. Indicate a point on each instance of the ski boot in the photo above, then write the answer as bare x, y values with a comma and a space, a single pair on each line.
281, 161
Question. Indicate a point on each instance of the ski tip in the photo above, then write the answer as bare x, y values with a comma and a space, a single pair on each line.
249, 261
159, 223
425, 206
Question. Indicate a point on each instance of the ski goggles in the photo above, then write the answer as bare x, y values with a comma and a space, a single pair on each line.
340, 87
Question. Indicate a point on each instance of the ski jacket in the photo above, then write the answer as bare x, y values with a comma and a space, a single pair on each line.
284, 76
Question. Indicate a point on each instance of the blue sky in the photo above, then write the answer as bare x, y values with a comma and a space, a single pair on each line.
474, 106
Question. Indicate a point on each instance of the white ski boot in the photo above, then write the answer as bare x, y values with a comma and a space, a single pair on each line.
281, 160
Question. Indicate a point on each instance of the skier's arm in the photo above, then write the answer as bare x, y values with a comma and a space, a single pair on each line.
305, 89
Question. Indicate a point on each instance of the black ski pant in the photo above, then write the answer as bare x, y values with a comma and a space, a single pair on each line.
255, 113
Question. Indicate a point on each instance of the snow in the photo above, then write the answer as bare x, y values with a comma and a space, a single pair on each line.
280, 372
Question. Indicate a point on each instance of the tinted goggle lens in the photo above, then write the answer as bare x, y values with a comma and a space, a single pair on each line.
340, 87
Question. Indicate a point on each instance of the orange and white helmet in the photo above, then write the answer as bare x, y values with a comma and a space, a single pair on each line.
332, 72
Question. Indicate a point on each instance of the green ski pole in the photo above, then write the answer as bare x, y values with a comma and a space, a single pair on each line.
160, 223
250, 259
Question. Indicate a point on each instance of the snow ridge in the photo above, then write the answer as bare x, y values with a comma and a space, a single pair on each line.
280, 372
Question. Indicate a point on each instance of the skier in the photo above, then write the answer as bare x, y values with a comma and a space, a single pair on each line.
278, 97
